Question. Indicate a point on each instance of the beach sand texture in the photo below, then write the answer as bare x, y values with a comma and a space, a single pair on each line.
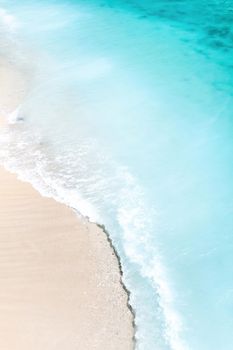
59, 277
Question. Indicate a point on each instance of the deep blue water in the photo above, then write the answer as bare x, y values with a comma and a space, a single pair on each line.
129, 120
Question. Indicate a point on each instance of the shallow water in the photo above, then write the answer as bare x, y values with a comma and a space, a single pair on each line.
129, 120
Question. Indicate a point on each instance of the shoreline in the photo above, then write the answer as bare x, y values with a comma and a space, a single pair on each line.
127, 291
118, 293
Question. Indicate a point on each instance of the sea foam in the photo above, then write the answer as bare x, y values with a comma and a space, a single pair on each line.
129, 122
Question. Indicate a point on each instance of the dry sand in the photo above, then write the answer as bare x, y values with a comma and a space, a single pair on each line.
59, 277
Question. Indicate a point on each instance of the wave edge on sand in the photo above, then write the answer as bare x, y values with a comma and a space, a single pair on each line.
9, 103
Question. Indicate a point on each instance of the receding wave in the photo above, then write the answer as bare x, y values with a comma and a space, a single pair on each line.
91, 183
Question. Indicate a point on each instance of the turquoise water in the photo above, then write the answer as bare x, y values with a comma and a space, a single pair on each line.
129, 120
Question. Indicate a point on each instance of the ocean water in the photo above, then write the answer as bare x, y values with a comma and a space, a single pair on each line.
129, 120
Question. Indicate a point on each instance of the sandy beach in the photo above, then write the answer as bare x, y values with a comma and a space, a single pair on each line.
60, 281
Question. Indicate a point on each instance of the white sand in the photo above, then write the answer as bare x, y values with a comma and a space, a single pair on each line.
59, 278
